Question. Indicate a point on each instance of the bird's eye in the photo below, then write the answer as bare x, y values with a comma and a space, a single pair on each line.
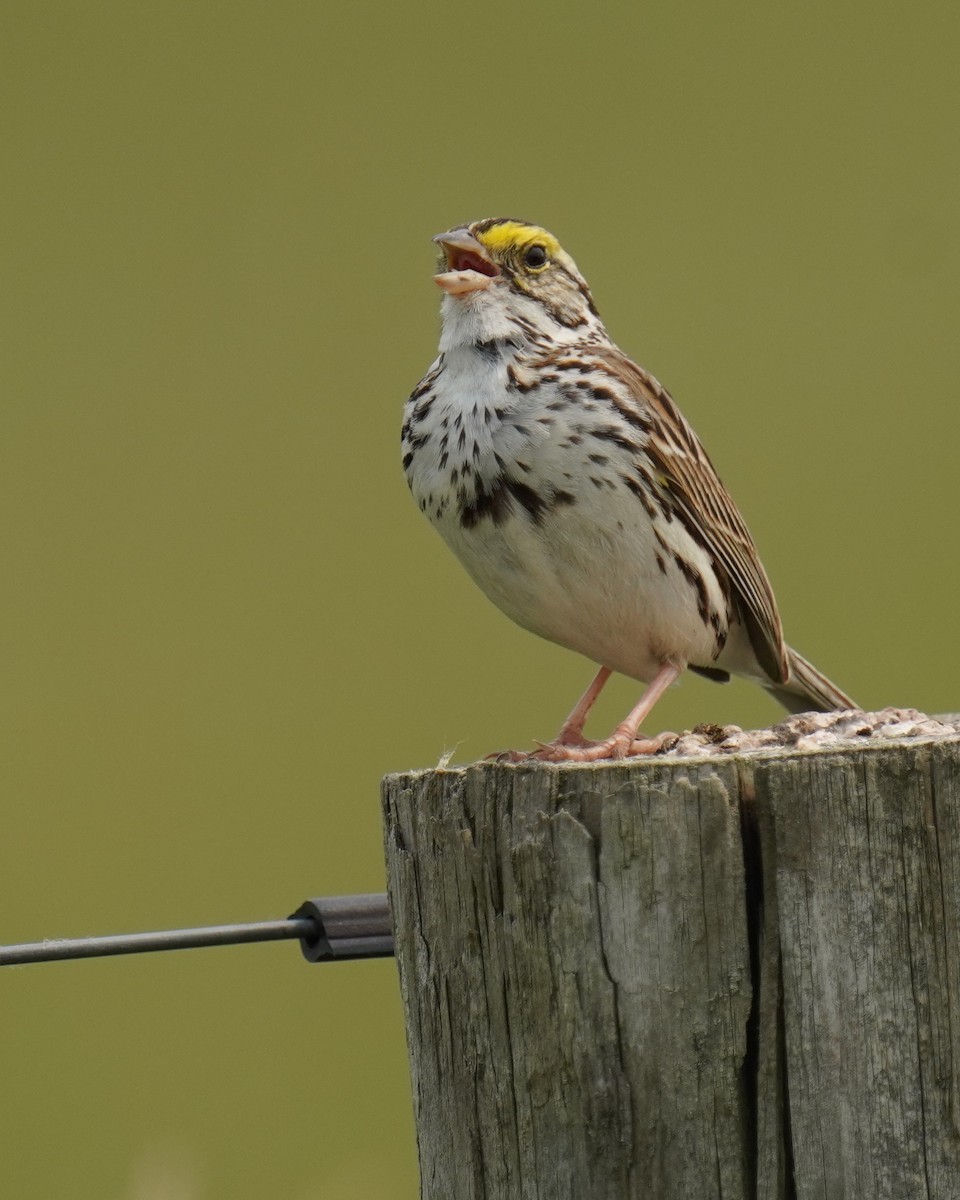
535, 256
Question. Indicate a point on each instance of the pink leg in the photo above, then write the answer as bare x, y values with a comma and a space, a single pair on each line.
623, 741
571, 734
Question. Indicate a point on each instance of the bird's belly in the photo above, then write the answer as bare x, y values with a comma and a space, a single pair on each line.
593, 577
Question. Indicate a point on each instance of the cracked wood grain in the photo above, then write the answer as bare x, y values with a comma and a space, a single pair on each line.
732, 976
863, 855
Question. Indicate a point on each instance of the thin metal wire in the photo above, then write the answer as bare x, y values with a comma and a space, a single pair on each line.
57, 949
328, 928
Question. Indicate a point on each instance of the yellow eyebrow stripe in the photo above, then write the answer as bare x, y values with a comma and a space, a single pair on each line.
511, 235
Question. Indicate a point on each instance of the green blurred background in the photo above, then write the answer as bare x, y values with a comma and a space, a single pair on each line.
222, 617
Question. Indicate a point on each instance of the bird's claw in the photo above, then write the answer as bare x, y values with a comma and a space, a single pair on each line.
621, 745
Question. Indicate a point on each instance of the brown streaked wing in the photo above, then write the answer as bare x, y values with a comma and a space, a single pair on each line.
693, 482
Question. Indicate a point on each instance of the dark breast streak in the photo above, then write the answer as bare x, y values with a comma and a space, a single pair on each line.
605, 434
505, 496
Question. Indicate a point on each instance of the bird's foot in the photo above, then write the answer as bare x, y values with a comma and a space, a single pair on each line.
569, 736
571, 746
621, 744
571, 739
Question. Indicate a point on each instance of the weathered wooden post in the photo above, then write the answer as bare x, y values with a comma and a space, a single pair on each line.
732, 971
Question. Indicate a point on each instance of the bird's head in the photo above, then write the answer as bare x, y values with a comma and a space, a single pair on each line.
509, 268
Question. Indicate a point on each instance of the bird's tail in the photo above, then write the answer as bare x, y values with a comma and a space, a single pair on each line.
806, 690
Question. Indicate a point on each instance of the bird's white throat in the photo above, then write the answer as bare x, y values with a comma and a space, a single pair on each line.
482, 316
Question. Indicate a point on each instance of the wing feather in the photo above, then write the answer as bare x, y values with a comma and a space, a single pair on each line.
687, 472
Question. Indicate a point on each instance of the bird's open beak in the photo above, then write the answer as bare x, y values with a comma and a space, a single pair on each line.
469, 267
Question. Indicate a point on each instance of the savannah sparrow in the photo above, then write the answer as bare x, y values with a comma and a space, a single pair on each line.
566, 481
